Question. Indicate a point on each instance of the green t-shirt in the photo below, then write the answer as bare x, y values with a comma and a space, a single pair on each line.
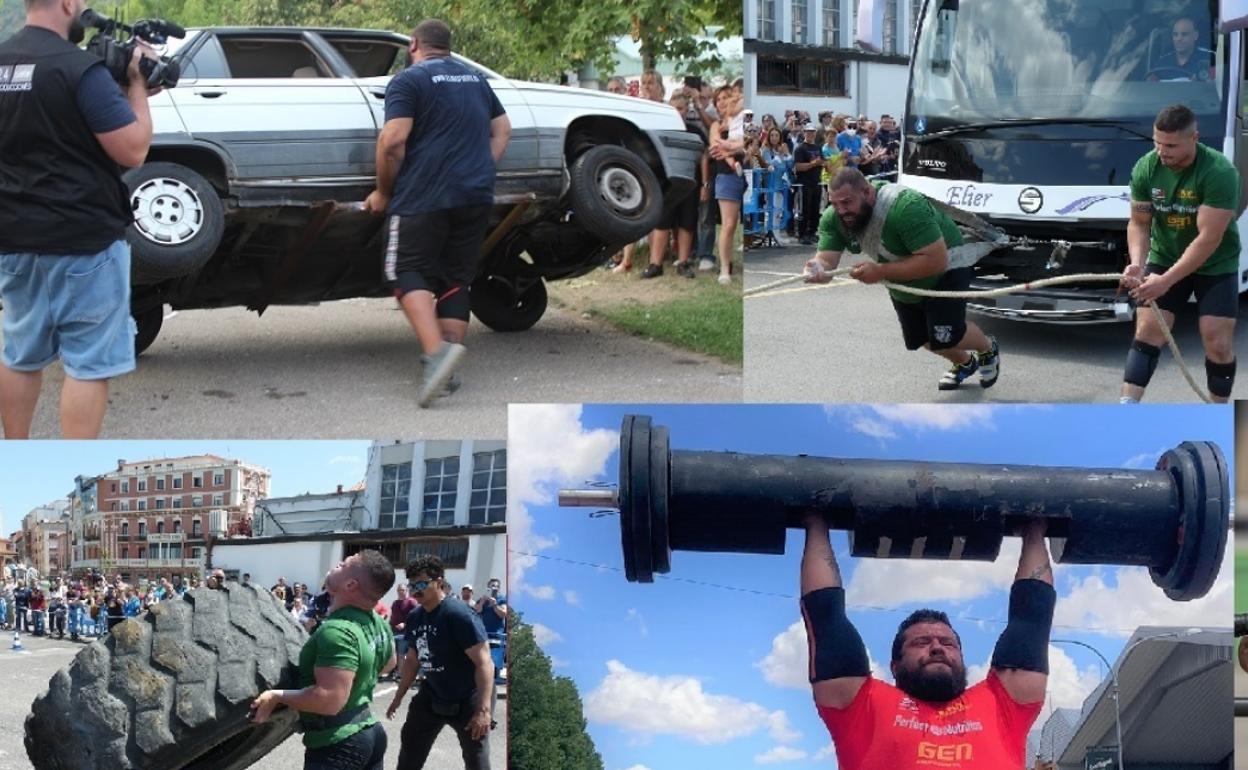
365, 651
1211, 180
912, 223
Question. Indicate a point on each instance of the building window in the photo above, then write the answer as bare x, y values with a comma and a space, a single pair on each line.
112, 487
218, 499
489, 488
125, 486
177, 482
113, 506
799, 21
832, 23
197, 501
789, 76
197, 481
160, 527
125, 552
160, 485
125, 529
160, 503
218, 479
766, 19
177, 526
142, 529
142, 505
195, 531
890, 27
177, 502
441, 479
452, 551
396, 490
142, 485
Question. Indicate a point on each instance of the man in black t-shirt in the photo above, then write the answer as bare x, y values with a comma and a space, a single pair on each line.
444, 134
447, 642
65, 126
807, 162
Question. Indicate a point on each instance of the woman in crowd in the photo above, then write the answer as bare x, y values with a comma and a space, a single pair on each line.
727, 134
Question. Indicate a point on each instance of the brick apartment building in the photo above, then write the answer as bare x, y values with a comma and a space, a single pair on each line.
152, 518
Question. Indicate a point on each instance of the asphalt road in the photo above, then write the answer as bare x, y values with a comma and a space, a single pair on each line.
26, 675
351, 369
841, 343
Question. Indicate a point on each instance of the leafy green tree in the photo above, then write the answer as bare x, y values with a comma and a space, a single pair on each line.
545, 716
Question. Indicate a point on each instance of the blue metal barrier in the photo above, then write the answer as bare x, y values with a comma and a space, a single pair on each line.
766, 205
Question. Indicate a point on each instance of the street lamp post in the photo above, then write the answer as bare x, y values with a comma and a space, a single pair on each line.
1114, 674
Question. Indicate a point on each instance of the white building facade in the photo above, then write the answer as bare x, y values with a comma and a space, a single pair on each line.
800, 55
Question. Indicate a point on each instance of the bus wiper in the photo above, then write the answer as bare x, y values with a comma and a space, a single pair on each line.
970, 128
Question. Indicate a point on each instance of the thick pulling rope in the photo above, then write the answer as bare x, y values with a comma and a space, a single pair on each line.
767, 289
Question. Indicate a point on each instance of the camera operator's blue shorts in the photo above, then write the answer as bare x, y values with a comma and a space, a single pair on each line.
74, 308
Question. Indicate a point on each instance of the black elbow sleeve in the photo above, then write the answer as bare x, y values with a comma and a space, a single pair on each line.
836, 649
1025, 642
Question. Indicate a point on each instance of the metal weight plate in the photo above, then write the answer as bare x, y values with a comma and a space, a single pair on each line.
640, 515
1200, 474
660, 494
627, 496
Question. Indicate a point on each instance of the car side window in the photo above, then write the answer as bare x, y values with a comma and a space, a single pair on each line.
272, 58
208, 62
370, 58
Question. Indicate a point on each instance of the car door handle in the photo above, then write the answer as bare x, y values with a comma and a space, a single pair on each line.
378, 94
210, 94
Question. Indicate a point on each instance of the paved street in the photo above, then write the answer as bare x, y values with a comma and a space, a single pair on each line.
26, 675
351, 368
841, 343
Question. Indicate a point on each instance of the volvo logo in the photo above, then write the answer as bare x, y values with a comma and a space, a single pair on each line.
1030, 200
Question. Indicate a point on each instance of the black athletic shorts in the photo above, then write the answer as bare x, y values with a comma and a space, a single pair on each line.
941, 322
684, 215
1216, 295
365, 750
435, 250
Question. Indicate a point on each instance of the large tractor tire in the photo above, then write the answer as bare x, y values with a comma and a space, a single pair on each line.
172, 689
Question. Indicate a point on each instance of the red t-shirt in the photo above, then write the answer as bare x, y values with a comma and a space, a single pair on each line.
885, 729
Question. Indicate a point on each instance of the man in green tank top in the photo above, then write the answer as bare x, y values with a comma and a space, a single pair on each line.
914, 251
338, 668
1184, 198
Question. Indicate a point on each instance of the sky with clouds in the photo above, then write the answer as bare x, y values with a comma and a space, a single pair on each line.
706, 666
33, 473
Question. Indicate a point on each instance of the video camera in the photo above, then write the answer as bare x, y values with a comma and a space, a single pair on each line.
162, 73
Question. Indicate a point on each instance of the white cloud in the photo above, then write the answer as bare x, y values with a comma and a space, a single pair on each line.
894, 582
572, 597
1067, 686
779, 754
880, 420
637, 767
546, 449
650, 704
544, 635
1146, 460
345, 460
635, 616
544, 593
786, 664
1093, 605
558, 662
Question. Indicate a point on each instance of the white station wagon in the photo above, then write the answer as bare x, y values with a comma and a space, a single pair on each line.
264, 152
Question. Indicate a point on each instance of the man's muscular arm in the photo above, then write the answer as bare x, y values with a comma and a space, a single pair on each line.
1021, 657
838, 658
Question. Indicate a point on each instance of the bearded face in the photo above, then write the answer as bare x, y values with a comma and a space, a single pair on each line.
931, 667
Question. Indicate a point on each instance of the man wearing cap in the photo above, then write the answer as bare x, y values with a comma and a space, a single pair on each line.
807, 161
338, 668
465, 593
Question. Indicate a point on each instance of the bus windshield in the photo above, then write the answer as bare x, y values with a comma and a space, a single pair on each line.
1122, 60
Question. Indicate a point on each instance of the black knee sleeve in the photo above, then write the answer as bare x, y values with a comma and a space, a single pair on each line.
1141, 363
454, 304
1024, 644
1220, 377
836, 649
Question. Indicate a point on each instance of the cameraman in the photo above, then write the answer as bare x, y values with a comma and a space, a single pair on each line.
65, 127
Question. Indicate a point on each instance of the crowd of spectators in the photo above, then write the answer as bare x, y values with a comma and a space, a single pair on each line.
802, 155
698, 232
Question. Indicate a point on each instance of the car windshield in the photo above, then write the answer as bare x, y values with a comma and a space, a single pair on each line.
988, 60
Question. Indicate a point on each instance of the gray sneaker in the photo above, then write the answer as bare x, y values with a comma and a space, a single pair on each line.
438, 370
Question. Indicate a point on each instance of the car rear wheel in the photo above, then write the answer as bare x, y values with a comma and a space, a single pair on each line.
507, 304
615, 195
148, 322
178, 221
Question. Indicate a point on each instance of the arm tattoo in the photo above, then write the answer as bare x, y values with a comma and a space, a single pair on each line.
1042, 570
1142, 207
836, 569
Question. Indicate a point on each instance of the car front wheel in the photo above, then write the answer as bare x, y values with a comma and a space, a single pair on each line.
178, 221
615, 195
505, 305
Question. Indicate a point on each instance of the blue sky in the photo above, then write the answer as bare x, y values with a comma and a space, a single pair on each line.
36, 472
706, 667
